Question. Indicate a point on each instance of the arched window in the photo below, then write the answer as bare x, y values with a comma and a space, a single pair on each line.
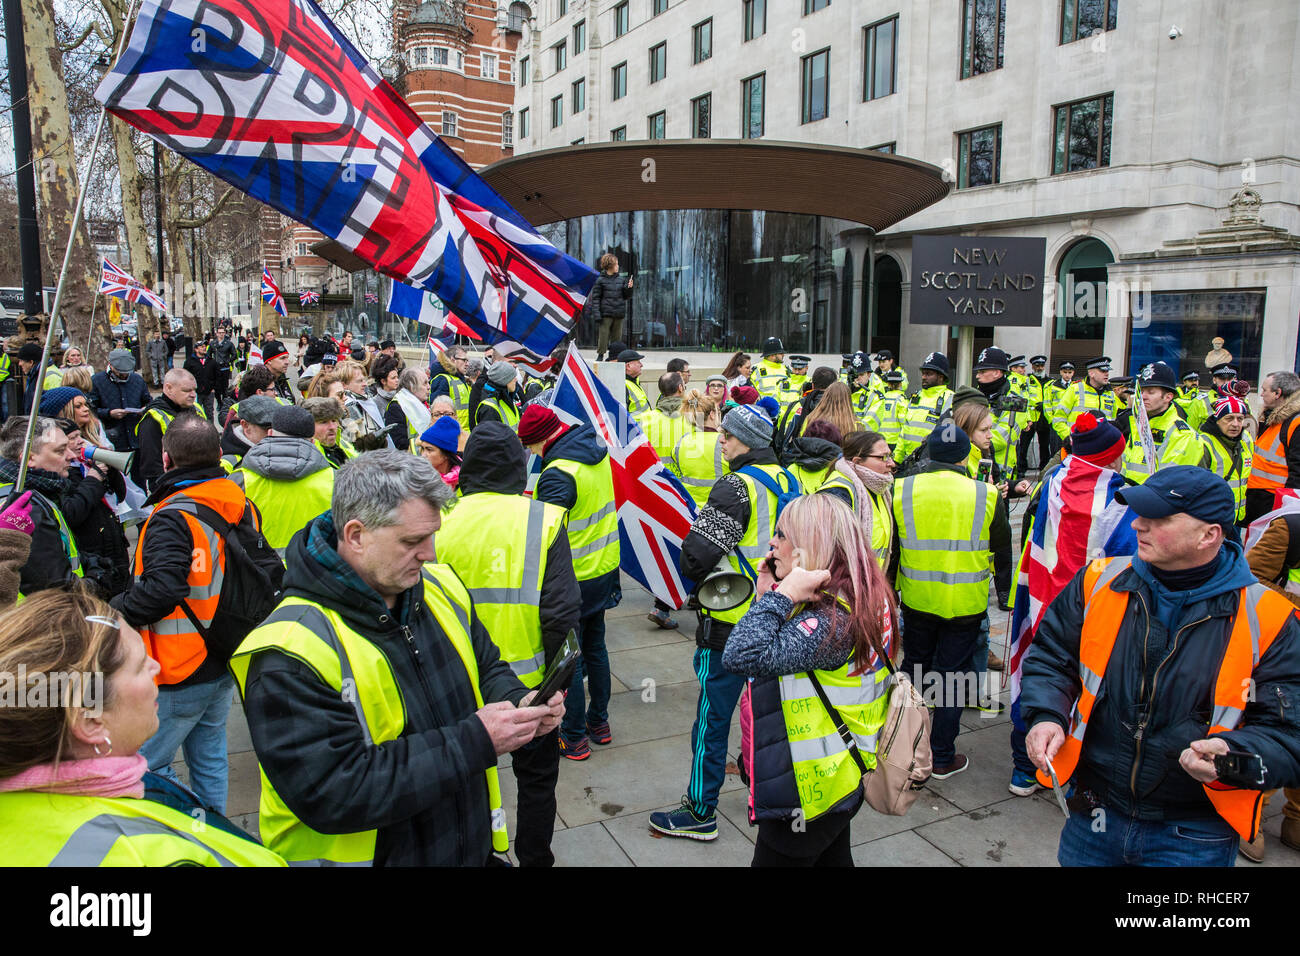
517, 15
1081, 290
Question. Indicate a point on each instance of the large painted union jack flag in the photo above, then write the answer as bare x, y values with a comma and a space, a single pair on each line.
271, 294
654, 510
271, 97
116, 281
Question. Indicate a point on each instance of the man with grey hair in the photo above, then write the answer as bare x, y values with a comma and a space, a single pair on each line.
376, 701
1276, 464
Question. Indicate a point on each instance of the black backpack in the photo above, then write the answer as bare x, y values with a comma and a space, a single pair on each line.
250, 589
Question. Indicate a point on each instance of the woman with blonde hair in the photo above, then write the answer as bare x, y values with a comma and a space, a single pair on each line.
836, 407
74, 788
79, 377
697, 456
824, 617
73, 358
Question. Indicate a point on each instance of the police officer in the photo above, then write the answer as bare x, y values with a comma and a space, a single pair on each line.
885, 363
888, 413
1007, 405
792, 386
1091, 394
861, 383
1174, 440
512, 553
927, 404
1053, 392
637, 402
767, 375
1191, 399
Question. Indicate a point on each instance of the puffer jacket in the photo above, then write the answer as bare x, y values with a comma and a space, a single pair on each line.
284, 458
1157, 693
609, 296
809, 456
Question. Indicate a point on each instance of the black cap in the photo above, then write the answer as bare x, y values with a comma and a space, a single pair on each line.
273, 348
1018, 360
30, 352
630, 355
884, 354
1224, 371
773, 346
860, 362
1102, 362
800, 361
991, 358
1157, 375
1123, 381
1067, 365
387, 344
617, 348
1038, 360
1192, 377
1183, 489
894, 376
937, 362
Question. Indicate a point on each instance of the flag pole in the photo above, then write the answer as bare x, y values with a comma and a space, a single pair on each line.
63, 277
94, 304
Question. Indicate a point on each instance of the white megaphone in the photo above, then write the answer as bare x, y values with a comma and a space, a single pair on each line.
724, 589
121, 460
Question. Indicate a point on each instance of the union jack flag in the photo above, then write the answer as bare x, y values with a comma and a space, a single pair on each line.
307, 297
115, 281
277, 102
436, 347
372, 297
1078, 519
654, 510
271, 293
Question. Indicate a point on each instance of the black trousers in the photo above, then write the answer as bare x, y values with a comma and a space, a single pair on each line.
1259, 502
937, 656
825, 842
537, 768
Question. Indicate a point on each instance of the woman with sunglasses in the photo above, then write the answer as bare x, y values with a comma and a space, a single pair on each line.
824, 617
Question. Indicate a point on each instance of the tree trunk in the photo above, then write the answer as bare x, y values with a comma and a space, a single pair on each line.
56, 175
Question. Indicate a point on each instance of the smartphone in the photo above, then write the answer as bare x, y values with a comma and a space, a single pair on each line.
559, 673
1240, 768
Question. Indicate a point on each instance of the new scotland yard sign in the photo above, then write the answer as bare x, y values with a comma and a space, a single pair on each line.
977, 280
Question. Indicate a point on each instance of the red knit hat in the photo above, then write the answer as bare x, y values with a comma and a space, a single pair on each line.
537, 423
744, 394
1230, 405
1096, 440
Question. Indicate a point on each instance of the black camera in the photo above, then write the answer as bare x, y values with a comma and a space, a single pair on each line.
1011, 402
1240, 768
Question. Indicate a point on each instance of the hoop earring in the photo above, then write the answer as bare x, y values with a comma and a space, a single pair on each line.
109, 743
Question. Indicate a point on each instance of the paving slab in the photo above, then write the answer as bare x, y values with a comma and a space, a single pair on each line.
985, 780
734, 805
238, 739
645, 848
245, 784
663, 664
900, 849
869, 825
634, 719
590, 845
1014, 832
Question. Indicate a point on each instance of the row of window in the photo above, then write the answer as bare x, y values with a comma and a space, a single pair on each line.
450, 124
423, 57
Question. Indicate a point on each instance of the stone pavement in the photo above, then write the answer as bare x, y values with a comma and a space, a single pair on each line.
604, 802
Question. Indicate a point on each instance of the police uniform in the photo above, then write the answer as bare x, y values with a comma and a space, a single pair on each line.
925, 408
1174, 440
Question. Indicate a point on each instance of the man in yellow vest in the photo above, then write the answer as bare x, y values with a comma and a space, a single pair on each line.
377, 703
887, 414
512, 553
791, 387
926, 406
861, 382
886, 363
448, 378
1042, 420
767, 374
1174, 441
1091, 394
735, 526
637, 402
949, 526
577, 476
179, 394
1227, 448
285, 475
1175, 653
328, 414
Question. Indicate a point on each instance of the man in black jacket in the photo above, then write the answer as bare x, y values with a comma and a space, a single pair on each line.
223, 354
113, 392
424, 791
180, 392
1172, 682
204, 370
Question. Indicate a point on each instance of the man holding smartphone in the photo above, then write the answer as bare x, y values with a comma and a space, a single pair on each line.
1147, 668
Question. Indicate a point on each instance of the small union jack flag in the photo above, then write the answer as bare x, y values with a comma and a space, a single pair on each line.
308, 297
372, 297
271, 293
117, 282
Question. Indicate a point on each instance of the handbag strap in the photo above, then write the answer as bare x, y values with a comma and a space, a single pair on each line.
839, 723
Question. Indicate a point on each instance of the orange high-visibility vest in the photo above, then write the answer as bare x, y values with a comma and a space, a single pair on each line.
174, 642
1260, 615
1268, 469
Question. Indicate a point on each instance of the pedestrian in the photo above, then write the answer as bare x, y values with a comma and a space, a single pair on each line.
204, 371
1092, 393
577, 476
180, 393
1277, 454
821, 625
868, 454
224, 355
179, 602
1227, 448
496, 396
637, 402
157, 353
1103, 713
697, 457
328, 414
608, 305
118, 395
527, 598
735, 527
286, 476
407, 410
364, 604
739, 368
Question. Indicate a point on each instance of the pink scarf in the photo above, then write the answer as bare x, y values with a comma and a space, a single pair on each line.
92, 777
452, 477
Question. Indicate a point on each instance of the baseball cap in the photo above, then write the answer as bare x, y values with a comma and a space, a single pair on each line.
1184, 489
258, 409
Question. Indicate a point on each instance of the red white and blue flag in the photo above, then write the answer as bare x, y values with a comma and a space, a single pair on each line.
654, 510
116, 281
308, 297
372, 298
272, 98
1078, 519
271, 293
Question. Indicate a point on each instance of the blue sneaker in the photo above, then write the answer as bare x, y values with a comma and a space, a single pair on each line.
683, 822
1024, 784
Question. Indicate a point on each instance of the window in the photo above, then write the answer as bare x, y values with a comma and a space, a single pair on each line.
302, 249
755, 17
979, 155
516, 16
557, 111
439, 56
561, 56
1081, 134
523, 71
488, 65
620, 19
523, 123
812, 6
620, 80
701, 111
659, 7
420, 56
702, 41
448, 123
579, 95
563, 7
460, 60
579, 37
1084, 18
658, 61
656, 125
983, 36
507, 129
813, 85
880, 70
751, 106
890, 148
618, 135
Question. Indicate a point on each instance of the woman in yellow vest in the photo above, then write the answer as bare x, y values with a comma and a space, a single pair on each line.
868, 454
819, 633
74, 789
697, 456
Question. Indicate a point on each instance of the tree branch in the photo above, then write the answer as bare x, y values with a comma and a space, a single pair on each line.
195, 221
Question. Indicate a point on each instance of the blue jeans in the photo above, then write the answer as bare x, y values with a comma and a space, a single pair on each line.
1114, 840
719, 694
578, 712
194, 718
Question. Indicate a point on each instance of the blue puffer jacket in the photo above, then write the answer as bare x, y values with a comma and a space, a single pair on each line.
1157, 693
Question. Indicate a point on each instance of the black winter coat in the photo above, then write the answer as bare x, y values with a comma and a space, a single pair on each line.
106, 394
148, 464
204, 372
425, 792
96, 528
609, 296
47, 566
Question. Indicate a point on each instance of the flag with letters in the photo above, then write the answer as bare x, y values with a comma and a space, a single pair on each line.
271, 293
272, 98
654, 510
116, 281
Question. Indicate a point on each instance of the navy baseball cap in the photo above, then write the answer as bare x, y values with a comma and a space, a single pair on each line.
1184, 489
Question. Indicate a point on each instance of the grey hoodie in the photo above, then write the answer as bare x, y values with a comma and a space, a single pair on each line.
282, 458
